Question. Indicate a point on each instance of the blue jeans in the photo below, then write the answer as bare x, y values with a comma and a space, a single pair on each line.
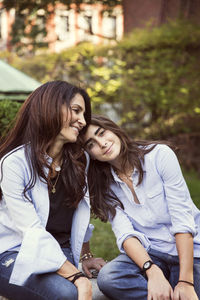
123, 279
49, 286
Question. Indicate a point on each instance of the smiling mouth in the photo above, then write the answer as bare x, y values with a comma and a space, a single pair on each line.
108, 150
75, 129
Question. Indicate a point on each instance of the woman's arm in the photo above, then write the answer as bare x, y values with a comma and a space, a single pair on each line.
158, 286
183, 224
183, 290
83, 285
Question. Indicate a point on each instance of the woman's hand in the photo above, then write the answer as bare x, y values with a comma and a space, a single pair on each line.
92, 263
184, 291
84, 287
158, 286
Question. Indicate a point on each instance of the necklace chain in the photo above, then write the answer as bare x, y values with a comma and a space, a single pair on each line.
53, 186
128, 177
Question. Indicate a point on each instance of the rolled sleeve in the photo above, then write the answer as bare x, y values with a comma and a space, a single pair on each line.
88, 234
176, 192
123, 229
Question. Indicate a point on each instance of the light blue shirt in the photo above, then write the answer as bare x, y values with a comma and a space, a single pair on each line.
22, 223
165, 208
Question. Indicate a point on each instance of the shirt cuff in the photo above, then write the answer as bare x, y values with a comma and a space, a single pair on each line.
142, 238
88, 234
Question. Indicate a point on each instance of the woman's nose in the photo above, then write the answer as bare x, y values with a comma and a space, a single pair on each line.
103, 143
81, 120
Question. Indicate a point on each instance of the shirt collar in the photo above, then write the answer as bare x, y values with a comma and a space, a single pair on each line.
116, 178
135, 173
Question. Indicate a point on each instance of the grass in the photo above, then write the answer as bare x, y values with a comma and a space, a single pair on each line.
193, 182
103, 243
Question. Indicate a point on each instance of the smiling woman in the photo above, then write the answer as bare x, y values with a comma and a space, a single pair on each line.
140, 189
102, 144
73, 119
44, 205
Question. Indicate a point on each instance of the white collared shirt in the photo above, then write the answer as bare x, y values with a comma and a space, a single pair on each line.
165, 208
23, 222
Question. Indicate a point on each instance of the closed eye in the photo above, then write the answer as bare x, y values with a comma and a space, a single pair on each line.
76, 110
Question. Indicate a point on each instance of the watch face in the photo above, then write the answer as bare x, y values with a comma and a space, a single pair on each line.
147, 265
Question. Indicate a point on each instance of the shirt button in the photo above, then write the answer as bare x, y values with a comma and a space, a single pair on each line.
169, 239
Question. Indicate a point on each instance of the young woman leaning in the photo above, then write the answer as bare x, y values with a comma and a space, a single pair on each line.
140, 189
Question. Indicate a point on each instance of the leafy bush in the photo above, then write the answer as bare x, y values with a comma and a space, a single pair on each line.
158, 82
8, 110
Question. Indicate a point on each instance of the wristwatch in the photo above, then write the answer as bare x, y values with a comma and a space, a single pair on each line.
147, 265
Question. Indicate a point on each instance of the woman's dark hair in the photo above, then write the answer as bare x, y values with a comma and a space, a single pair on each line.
37, 124
103, 200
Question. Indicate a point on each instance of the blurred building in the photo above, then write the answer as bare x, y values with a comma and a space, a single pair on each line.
137, 13
68, 27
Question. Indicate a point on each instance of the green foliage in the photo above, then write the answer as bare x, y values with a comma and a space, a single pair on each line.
159, 79
150, 80
8, 110
103, 242
192, 180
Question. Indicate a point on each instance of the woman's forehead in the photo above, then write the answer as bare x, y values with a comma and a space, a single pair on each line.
91, 132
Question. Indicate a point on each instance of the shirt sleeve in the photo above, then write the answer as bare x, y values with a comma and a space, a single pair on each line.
39, 251
123, 229
176, 192
88, 233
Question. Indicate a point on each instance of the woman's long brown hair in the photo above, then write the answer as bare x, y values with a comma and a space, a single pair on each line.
103, 199
37, 124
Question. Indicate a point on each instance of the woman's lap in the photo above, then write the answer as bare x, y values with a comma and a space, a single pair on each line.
49, 286
122, 278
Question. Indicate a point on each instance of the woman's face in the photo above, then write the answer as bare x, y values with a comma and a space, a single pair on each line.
102, 144
73, 120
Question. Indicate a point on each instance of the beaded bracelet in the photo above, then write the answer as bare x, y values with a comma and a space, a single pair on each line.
188, 282
86, 256
76, 276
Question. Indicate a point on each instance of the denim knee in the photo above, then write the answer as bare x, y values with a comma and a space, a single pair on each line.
122, 279
197, 276
52, 287
105, 279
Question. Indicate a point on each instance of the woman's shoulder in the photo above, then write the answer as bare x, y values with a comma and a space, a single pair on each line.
158, 147
158, 151
17, 154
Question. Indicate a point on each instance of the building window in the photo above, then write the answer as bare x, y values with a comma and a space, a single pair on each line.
88, 24
62, 21
109, 26
40, 24
85, 25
